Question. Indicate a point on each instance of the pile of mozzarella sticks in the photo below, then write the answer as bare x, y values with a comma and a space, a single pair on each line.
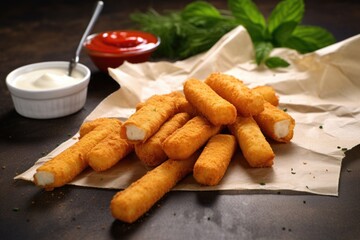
177, 134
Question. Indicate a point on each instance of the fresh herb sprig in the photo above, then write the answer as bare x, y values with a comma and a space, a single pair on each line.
185, 33
198, 26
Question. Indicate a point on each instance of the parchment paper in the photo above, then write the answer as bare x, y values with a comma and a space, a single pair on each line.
320, 90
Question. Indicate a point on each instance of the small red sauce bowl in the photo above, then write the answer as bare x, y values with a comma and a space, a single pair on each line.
112, 48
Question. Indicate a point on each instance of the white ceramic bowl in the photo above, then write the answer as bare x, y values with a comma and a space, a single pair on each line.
46, 104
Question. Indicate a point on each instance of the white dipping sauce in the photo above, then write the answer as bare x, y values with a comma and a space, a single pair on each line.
47, 79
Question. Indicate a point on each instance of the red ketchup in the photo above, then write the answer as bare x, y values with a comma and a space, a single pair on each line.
111, 49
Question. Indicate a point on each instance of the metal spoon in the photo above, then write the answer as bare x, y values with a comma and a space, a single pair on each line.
93, 19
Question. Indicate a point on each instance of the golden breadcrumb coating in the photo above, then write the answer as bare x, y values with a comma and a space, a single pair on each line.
151, 152
87, 127
130, 204
268, 94
68, 164
148, 119
247, 103
109, 151
216, 109
214, 160
275, 123
256, 150
189, 138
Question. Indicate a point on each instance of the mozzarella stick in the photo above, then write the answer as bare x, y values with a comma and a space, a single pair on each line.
214, 160
151, 152
68, 164
151, 99
275, 123
268, 94
139, 105
130, 204
256, 150
189, 138
184, 105
87, 127
148, 119
109, 151
216, 109
233, 90
174, 94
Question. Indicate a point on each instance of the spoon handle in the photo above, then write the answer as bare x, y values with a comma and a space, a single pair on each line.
93, 19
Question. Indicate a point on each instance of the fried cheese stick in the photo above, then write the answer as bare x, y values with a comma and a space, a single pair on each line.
214, 160
275, 123
268, 94
148, 119
109, 151
130, 204
247, 103
87, 127
189, 138
153, 98
139, 105
184, 105
256, 150
151, 152
68, 164
216, 109
156, 97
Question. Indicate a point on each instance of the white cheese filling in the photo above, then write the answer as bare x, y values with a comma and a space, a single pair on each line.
44, 178
134, 133
281, 128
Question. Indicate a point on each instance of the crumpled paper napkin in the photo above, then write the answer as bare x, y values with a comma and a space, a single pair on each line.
320, 90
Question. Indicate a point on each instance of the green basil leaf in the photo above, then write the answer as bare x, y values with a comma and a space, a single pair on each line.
248, 15
275, 62
283, 33
201, 13
309, 38
262, 51
284, 12
202, 39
